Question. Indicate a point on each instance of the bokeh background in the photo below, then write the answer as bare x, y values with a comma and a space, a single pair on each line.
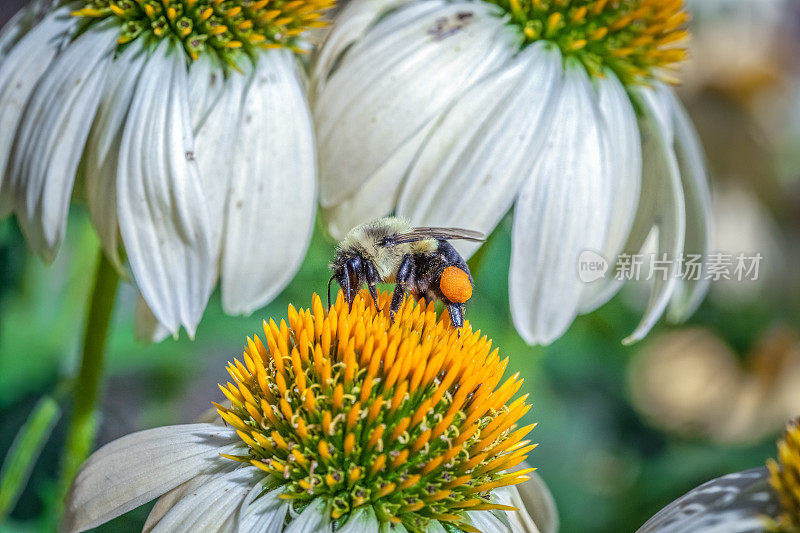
622, 430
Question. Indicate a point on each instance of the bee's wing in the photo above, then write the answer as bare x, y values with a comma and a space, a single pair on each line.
446, 234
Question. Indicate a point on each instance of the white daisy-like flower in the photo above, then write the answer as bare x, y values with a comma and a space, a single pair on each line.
451, 112
183, 125
345, 421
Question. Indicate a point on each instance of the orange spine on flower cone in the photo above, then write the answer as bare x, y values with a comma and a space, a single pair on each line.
411, 417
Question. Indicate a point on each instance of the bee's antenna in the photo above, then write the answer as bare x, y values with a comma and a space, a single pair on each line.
329, 291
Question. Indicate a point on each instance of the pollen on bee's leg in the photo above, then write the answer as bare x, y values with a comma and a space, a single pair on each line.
455, 285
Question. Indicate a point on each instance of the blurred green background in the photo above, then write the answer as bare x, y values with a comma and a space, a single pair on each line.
622, 430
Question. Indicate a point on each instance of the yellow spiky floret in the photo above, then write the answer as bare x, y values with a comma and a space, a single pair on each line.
411, 417
220, 27
639, 40
785, 478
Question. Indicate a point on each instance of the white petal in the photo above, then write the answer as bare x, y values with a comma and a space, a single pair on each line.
102, 148
163, 214
536, 505
206, 83
314, 519
52, 134
133, 470
735, 503
625, 156
689, 293
217, 144
661, 205
398, 78
20, 71
363, 520
210, 506
470, 169
187, 490
489, 521
378, 195
560, 213
147, 328
263, 512
270, 212
349, 26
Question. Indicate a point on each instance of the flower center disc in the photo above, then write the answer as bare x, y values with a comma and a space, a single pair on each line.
406, 417
637, 39
212, 26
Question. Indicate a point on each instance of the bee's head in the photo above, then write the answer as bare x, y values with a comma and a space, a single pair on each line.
348, 270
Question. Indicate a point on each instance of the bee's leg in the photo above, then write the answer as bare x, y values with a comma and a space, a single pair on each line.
401, 280
372, 279
456, 311
353, 279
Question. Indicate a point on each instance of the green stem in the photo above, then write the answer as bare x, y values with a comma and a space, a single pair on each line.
81, 432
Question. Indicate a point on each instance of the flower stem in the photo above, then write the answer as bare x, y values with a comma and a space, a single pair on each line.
81, 432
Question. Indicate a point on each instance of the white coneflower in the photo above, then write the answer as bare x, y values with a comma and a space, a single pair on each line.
756, 500
186, 125
450, 112
339, 421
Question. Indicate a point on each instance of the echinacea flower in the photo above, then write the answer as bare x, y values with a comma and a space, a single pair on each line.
184, 126
756, 500
451, 112
337, 421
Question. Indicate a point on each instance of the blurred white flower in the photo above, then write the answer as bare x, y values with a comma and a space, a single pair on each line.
449, 113
189, 134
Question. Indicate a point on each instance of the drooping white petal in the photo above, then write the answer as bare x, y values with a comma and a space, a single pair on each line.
20, 71
625, 157
211, 506
535, 504
378, 195
187, 490
271, 207
689, 293
471, 167
52, 134
314, 519
147, 328
102, 148
217, 144
350, 25
206, 83
490, 521
735, 503
135, 469
363, 520
560, 212
163, 214
408, 68
661, 205
263, 512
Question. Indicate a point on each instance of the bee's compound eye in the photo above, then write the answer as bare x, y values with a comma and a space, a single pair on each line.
455, 285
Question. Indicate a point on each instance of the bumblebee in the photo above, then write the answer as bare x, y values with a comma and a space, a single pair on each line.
420, 260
